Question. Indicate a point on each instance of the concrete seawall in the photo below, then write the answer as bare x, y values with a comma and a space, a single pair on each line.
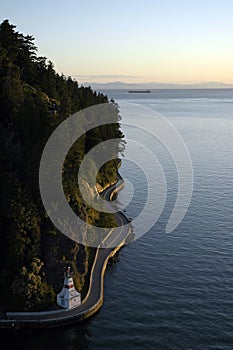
95, 296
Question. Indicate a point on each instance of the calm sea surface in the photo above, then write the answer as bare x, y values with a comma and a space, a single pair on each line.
169, 291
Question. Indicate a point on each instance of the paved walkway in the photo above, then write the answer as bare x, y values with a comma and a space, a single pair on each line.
94, 299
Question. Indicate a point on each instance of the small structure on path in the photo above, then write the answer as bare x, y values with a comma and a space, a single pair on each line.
69, 297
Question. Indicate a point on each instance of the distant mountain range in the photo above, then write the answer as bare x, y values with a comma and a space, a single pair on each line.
153, 85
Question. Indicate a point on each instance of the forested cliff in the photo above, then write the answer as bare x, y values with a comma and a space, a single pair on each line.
34, 100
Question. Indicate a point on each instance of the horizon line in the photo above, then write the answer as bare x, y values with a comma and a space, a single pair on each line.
76, 76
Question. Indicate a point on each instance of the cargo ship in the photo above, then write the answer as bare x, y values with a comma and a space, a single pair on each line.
139, 91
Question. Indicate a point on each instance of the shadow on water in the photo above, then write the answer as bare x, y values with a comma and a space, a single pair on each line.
66, 338
70, 337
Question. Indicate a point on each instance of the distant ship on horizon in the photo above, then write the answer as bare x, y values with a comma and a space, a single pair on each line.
139, 91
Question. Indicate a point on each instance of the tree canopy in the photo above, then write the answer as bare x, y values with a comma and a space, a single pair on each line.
34, 100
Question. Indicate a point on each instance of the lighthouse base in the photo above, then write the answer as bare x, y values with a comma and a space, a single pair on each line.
69, 301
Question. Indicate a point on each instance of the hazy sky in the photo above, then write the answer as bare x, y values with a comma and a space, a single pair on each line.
130, 40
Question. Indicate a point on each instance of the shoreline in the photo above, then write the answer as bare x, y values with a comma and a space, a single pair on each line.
94, 298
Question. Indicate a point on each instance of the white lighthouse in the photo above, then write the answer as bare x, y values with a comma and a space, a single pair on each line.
69, 296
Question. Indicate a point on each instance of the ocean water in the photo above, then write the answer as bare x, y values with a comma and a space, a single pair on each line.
169, 291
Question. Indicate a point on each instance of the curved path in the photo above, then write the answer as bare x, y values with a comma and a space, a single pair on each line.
94, 299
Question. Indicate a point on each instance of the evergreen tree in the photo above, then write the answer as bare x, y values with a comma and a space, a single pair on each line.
34, 100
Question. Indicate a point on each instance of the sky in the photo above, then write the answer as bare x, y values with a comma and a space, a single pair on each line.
168, 41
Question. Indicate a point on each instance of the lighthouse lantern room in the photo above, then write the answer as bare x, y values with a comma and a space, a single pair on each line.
69, 297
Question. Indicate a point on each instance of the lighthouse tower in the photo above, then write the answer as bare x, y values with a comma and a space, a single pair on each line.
68, 298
